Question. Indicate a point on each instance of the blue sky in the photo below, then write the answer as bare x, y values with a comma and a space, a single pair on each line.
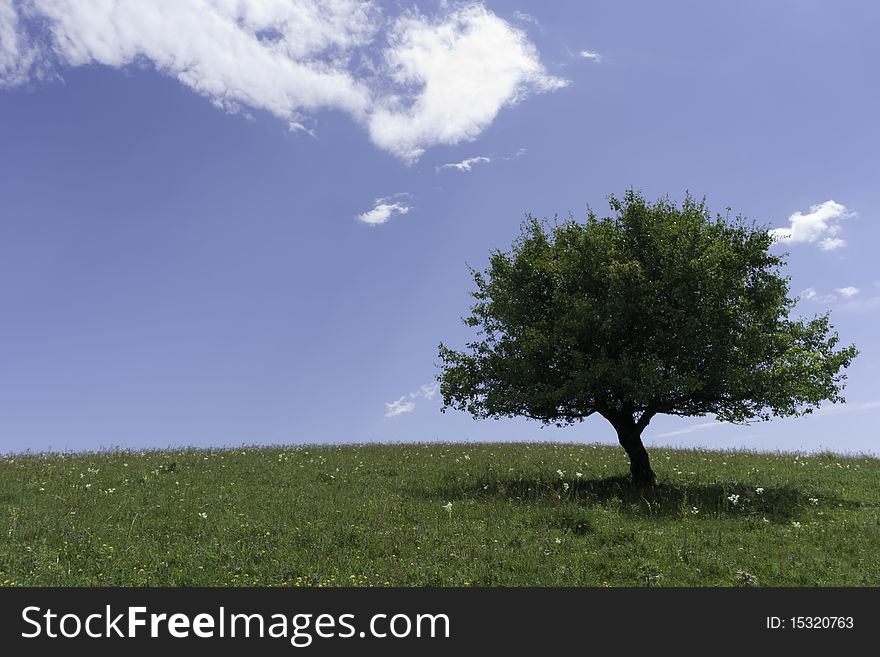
226, 223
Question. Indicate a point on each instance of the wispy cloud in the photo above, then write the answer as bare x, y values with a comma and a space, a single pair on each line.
465, 165
831, 409
820, 225
810, 294
702, 426
384, 208
399, 407
590, 55
406, 403
839, 409
524, 17
413, 80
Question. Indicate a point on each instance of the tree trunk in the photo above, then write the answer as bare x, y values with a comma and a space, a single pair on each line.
630, 439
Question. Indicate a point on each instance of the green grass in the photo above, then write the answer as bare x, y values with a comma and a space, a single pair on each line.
520, 514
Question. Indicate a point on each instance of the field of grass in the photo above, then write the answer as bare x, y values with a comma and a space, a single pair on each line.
438, 514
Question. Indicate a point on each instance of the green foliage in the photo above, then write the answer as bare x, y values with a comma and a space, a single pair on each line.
437, 514
655, 309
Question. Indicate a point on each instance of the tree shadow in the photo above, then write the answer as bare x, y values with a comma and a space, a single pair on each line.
776, 504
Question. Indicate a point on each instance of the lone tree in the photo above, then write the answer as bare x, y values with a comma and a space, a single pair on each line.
656, 309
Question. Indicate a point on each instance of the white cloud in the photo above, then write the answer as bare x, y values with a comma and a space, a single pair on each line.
848, 292
406, 403
413, 81
810, 294
589, 54
702, 426
20, 60
820, 224
384, 209
831, 243
838, 409
465, 165
399, 407
830, 409
524, 17
429, 390
462, 69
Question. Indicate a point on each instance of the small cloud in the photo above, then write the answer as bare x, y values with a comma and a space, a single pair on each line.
524, 17
831, 243
399, 407
430, 390
848, 292
406, 404
384, 209
465, 165
590, 55
820, 224
810, 294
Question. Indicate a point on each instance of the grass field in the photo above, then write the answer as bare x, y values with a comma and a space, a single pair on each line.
438, 514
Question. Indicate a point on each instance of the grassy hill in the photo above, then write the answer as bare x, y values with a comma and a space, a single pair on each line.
437, 514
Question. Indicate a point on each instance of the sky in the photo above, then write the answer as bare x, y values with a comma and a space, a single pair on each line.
249, 222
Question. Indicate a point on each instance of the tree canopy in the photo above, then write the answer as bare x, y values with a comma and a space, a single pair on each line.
654, 309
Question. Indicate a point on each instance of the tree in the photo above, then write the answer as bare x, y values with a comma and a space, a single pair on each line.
656, 309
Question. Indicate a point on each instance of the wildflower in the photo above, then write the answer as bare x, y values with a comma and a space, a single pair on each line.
814, 501
759, 490
765, 520
203, 515
88, 485
560, 473
558, 540
694, 510
467, 457
578, 474
796, 524
111, 490
734, 499
448, 507
565, 486
746, 578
